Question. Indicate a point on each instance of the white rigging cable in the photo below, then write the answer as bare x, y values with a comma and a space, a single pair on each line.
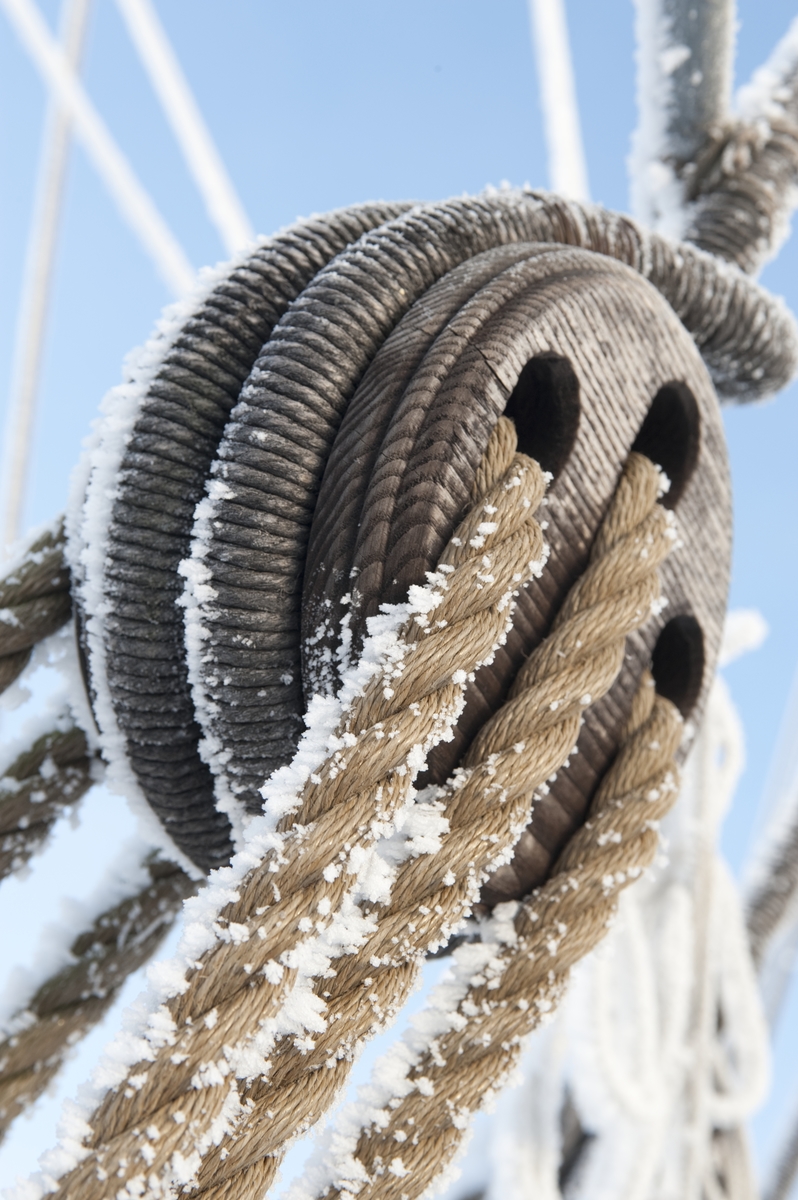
202, 158
563, 133
131, 198
37, 280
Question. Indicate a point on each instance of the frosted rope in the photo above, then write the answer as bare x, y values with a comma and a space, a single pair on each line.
227, 1128
193, 136
132, 200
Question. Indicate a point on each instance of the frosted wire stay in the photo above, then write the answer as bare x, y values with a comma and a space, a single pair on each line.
685, 54
131, 198
196, 144
37, 281
566, 155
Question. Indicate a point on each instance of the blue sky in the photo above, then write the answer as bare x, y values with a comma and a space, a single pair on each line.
320, 103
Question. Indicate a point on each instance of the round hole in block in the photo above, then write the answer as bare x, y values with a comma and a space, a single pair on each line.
544, 407
677, 662
669, 436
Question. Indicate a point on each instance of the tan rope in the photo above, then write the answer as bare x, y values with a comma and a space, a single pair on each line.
69, 1004
414, 1137
516, 752
347, 805
34, 602
36, 789
486, 807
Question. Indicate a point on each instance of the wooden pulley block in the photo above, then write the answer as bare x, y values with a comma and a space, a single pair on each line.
299, 448
589, 362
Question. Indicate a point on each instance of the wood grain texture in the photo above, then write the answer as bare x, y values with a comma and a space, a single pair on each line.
274, 452
272, 429
624, 344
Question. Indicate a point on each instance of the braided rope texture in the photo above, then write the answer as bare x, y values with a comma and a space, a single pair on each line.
507, 989
34, 602
227, 1133
73, 1001
35, 790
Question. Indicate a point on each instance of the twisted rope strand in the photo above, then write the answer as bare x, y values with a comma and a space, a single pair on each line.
344, 807
73, 1001
486, 806
36, 789
196, 1120
415, 1134
34, 602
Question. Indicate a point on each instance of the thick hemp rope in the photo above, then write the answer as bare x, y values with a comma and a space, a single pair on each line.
503, 997
349, 803
34, 602
488, 802
74, 1000
184, 1115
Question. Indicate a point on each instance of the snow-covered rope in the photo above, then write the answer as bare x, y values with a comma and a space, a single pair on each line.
34, 601
222, 1068
133, 201
41, 782
181, 110
37, 1039
344, 805
720, 176
37, 282
471, 1036
515, 753
743, 186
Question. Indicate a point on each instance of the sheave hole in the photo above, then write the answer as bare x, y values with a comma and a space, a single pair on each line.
544, 407
677, 663
669, 436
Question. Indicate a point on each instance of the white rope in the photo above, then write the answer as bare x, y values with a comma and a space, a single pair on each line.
182, 112
132, 200
37, 280
566, 155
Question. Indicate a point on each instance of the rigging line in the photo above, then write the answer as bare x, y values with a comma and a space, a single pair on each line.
784, 1169
562, 129
131, 198
182, 112
37, 280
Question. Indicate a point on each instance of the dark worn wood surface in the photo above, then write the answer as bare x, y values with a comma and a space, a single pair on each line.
623, 344
163, 473
437, 386
276, 446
